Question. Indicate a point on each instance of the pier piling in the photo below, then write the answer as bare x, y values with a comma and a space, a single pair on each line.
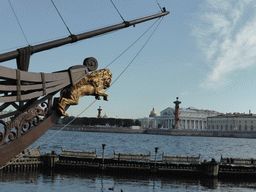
211, 168
156, 149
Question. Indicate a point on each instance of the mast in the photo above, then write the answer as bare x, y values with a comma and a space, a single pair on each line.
74, 38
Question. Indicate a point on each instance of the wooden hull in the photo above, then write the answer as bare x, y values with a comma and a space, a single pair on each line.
12, 149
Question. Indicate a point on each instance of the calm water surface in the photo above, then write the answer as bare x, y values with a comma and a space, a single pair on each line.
208, 147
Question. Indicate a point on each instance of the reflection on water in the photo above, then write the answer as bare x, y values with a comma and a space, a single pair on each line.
126, 143
100, 182
90, 182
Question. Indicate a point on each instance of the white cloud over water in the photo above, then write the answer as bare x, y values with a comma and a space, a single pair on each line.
226, 34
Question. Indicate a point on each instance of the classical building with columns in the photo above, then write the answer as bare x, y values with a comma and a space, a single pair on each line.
232, 122
178, 118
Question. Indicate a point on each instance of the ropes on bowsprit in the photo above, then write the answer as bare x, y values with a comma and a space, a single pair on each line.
117, 10
132, 44
115, 79
137, 53
159, 5
61, 18
18, 22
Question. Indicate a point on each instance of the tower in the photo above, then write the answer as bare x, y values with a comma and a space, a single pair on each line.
99, 112
177, 102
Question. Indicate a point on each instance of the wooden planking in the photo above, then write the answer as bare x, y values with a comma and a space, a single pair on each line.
31, 87
34, 94
37, 77
8, 73
76, 74
53, 82
40, 93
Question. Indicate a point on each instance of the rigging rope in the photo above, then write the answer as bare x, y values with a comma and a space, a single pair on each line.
18, 22
66, 124
114, 80
132, 44
159, 5
61, 17
117, 10
138, 52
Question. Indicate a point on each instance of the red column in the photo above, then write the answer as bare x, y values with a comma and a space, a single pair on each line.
99, 112
177, 111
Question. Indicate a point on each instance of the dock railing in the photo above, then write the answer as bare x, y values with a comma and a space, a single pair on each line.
79, 154
30, 153
132, 156
237, 161
180, 159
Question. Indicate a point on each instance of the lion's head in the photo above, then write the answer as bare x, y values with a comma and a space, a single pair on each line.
98, 78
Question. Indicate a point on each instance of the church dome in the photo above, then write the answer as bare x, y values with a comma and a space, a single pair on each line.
152, 113
105, 116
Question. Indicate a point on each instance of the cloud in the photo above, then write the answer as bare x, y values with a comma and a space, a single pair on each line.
226, 34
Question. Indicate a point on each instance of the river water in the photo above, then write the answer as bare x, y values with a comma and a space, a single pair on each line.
208, 147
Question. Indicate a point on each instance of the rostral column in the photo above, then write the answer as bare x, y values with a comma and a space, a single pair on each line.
177, 112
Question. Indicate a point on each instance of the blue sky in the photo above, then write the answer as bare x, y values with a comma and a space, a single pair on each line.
203, 52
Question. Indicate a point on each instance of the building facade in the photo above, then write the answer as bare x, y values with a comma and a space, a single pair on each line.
188, 118
232, 122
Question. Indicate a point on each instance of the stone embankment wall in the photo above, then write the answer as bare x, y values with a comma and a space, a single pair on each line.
206, 133
98, 129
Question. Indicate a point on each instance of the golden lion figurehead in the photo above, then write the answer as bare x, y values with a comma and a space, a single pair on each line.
101, 78
92, 84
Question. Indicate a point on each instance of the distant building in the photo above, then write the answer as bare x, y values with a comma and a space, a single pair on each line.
188, 118
192, 118
232, 122
105, 115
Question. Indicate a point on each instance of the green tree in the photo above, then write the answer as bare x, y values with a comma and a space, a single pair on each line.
137, 122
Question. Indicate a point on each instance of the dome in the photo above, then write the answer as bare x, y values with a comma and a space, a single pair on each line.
105, 116
152, 113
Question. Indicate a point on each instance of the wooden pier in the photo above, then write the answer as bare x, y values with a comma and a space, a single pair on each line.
129, 163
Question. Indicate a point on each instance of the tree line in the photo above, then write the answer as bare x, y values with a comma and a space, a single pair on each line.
100, 121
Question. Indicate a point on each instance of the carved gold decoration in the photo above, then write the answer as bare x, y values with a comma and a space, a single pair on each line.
92, 84
20, 124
